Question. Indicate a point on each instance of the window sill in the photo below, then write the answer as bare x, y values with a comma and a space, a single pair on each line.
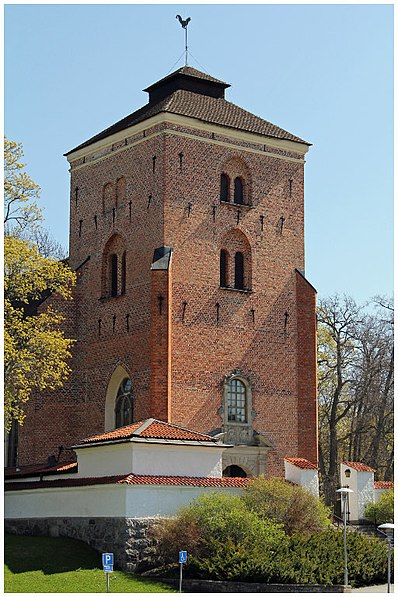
104, 299
236, 205
241, 290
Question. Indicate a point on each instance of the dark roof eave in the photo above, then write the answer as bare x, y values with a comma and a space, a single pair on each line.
102, 136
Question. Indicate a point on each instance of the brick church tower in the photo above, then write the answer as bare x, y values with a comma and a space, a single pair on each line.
191, 306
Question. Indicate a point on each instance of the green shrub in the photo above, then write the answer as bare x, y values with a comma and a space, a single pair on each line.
383, 511
224, 539
290, 505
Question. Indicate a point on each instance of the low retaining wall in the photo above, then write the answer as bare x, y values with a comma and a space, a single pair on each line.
219, 586
127, 538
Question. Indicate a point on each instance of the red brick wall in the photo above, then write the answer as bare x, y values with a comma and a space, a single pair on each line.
307, 380
177, 360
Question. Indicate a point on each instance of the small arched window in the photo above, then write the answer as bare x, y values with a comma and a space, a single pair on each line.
224, 187
113, 274
123, 274
239, 271
238, 190
237, 401
223, 268
124, 404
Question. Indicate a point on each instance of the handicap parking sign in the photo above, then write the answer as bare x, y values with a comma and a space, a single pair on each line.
183, 557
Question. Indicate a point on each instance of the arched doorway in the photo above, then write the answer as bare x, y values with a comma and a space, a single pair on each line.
233, 470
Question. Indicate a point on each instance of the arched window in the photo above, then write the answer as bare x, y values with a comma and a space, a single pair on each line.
223, 268
224, 188
124, 404
238, 190
113, 274
237, 401
123, 274
239, 271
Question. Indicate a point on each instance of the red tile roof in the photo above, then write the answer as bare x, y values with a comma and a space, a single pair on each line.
302, 463
214, 110
132, 480
384, 484
150, 429
37, 469
193, 481
359, 466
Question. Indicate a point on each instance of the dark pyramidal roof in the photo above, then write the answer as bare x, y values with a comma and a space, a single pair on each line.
189, 92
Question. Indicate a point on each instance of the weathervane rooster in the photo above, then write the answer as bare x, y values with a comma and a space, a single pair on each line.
184, 25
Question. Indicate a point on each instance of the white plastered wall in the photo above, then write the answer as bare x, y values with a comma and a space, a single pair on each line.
307, 478
150, 459
117, 500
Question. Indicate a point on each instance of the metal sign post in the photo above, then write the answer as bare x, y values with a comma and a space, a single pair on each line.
107, 563
182, 560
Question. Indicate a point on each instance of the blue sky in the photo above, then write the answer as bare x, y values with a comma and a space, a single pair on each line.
323, 72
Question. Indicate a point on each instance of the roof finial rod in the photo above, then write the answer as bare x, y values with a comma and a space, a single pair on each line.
184, 25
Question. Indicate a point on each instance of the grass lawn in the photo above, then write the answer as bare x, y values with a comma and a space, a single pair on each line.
61, 565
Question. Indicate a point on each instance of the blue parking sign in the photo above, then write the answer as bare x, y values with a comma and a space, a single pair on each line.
183, 557
107, 559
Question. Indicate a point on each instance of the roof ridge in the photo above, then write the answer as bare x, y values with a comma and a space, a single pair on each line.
183, 428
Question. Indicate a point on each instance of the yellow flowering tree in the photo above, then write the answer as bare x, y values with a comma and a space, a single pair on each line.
36, 350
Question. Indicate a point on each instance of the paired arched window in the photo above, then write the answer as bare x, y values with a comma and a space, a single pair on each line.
124, 404
238, 272
237, 401
239, 186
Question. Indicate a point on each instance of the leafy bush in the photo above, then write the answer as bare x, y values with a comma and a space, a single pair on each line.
227, 540
290, 505
383, 511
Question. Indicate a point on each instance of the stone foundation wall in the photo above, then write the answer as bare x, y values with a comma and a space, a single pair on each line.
128, 538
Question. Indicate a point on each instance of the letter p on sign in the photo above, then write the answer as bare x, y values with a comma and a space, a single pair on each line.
107, 559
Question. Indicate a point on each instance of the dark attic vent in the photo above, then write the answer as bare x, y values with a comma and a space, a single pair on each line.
188, 79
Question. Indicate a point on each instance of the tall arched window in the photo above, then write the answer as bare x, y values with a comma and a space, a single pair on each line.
224, 187
124, 404
223, 268
237, 401
239, 271
238, 190
123, 274
113, 274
